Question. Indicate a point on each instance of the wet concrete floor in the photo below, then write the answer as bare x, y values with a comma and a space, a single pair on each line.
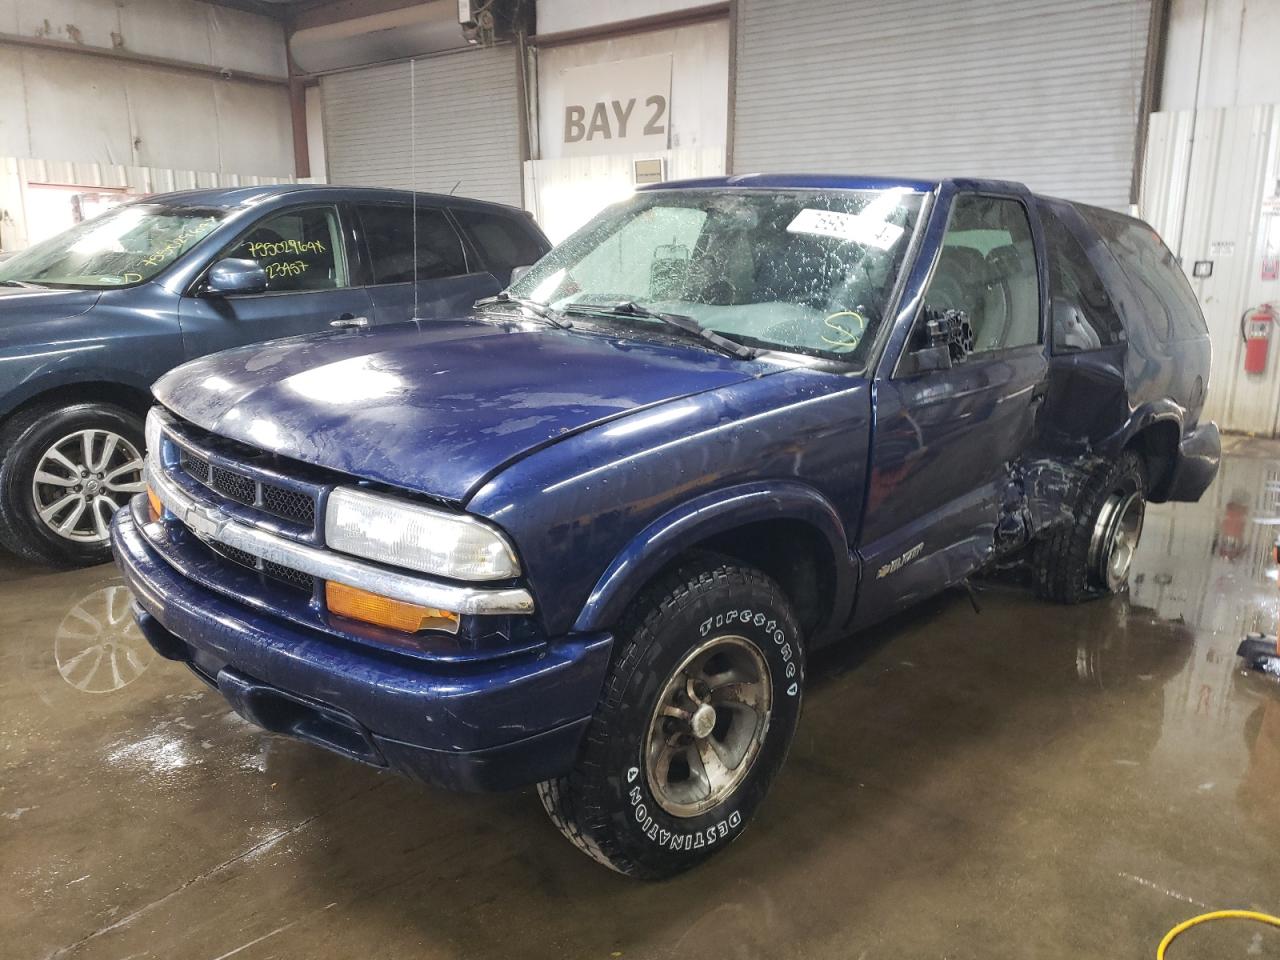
1031, 781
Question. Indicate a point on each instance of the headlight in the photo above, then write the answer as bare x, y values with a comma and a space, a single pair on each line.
420, 538
152, 435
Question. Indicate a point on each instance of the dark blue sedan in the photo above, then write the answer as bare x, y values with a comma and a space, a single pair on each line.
90, 318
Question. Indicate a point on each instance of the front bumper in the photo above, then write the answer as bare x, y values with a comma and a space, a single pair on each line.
487, 726
1199, 453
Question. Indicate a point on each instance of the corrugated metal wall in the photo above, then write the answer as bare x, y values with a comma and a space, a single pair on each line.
1234, 165
1040, 91
467, 125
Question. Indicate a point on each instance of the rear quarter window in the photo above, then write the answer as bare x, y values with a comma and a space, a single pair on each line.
504, 242
1165, 295
1082, 312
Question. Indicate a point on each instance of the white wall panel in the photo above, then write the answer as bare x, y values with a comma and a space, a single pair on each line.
1238, 66
241, 41
466, 134
187, 30
59, 105
170, 130
1034, 90
1234, 164
77, 107
67, 107
557, 16
15, 132
699, 81
563, 193
255, 130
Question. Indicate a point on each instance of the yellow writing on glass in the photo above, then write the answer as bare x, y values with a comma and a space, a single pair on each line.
175, 245
288, 268
259, 249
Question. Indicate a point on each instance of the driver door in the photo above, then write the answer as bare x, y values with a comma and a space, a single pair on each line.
945, 438
305, 254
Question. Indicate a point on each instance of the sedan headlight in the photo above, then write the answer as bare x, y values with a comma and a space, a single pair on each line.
417, 537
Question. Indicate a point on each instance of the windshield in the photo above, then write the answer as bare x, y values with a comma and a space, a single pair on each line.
798, 270
125, 245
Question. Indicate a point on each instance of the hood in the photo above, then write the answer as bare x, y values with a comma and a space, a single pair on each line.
435, 408
20, 305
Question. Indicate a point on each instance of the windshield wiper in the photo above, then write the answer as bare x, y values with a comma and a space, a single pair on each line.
20, 283
539, 310
629, 308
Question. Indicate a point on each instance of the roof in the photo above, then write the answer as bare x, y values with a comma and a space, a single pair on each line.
232, 197
823, 181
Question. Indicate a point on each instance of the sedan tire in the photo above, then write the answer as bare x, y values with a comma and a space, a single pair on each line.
66, 470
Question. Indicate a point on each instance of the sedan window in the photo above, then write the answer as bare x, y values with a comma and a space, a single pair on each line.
391, 240
126, 245
298, 250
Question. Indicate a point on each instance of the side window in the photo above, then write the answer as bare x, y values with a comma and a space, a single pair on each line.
298, 249
1167, 301
504, 242
1084, 318
987, 268
389, 237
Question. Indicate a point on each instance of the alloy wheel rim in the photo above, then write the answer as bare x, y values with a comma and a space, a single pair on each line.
81, 480
1116, 535
708, 725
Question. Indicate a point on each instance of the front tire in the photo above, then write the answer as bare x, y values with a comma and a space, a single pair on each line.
66, 470
697, 715
1090, 557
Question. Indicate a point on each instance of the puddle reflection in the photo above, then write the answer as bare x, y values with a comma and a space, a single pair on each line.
98, 647
1211, 563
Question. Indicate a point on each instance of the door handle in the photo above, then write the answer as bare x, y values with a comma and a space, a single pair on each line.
1039, 392
349, 321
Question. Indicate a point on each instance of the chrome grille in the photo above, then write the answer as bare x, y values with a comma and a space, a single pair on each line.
279, 501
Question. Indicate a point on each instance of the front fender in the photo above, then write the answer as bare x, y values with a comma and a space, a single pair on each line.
705, 516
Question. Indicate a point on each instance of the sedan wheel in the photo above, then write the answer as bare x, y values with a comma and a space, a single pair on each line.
82, 479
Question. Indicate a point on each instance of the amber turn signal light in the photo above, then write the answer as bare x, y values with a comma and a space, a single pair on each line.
155, 507
374, 608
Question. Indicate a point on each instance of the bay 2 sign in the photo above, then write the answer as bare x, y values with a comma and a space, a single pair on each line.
619, 107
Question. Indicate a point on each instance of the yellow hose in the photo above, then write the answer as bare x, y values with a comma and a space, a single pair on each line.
1215, 915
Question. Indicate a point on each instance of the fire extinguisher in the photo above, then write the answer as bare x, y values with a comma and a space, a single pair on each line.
1255, 328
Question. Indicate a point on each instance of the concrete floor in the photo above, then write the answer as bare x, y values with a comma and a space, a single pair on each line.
1031, 781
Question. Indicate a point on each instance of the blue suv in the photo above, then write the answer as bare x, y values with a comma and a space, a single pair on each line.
90, 318
586, 535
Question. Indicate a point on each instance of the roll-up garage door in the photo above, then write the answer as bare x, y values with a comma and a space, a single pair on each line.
1041, 91
467, 131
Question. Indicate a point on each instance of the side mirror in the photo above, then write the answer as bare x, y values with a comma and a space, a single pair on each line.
948, 340
518, 272
231, 276
950, 329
